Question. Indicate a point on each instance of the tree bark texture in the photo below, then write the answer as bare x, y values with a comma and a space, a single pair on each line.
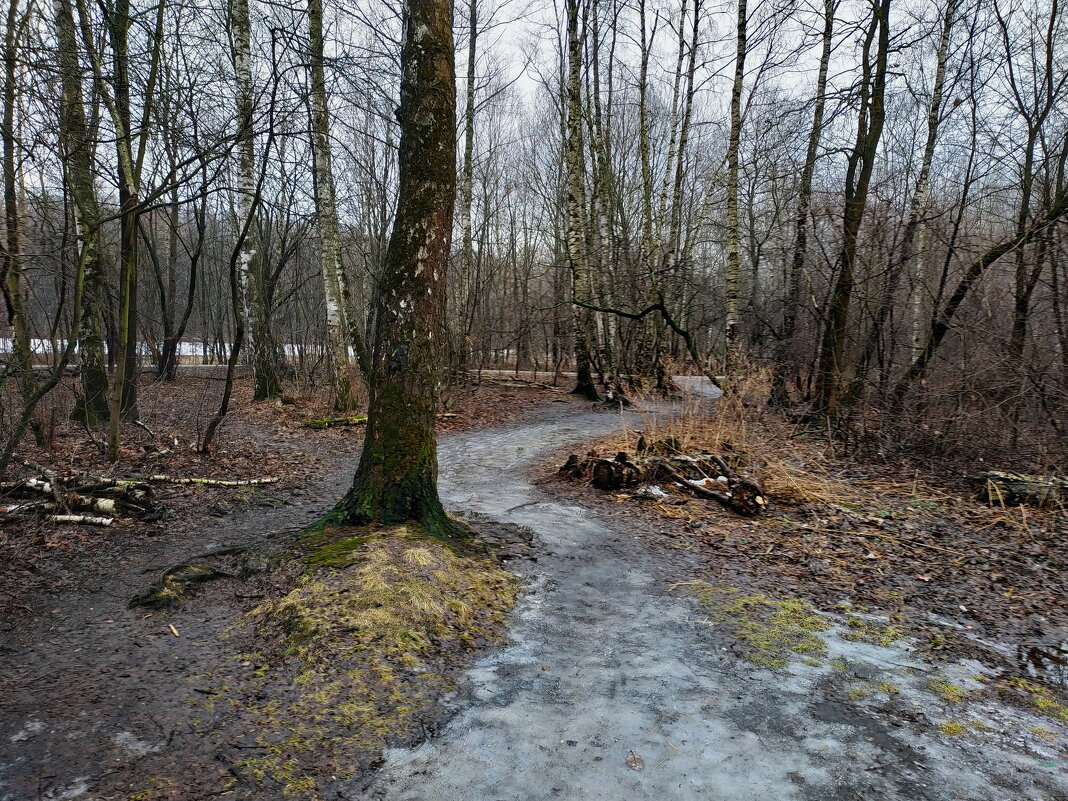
396, 480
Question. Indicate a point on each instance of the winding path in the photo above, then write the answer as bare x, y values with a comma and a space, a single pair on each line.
614, 689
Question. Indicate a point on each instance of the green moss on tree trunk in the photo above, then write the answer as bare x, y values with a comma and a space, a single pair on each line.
397, 477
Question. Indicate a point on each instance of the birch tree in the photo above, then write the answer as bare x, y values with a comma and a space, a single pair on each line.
396, 480
575, 205
339, 330
249, 269
77, 148
733, 343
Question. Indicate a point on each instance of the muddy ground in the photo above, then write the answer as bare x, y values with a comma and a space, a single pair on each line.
627, 678
639, 665
101, 701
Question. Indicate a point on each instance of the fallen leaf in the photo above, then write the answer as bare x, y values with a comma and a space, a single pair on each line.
634, 762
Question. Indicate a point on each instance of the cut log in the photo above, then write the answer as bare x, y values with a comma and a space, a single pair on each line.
1016, 489
705, 475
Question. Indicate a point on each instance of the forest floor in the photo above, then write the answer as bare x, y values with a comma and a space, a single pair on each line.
102, 701
878, 635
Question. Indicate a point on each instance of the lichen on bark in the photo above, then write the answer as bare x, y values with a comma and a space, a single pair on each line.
396, 480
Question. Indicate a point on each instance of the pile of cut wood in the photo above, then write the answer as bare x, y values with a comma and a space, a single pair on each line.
705, 475
90, 500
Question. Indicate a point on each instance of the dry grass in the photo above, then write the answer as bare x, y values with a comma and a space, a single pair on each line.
799, 466
752, 440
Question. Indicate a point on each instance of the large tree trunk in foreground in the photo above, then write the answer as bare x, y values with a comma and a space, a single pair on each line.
397, 477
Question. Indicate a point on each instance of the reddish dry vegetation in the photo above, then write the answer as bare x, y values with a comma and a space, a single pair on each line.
257, 440
881, 535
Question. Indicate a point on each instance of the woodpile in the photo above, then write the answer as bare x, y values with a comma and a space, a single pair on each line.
91, 500
704, 475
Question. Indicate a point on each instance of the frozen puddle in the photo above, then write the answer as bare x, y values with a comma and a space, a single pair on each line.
613, 689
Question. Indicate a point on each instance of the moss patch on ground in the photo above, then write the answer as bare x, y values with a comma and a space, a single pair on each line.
361, 643
771, 629
946, 690
1040, 698
861, 629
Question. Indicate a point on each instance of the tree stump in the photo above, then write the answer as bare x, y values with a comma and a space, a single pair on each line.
1016, 489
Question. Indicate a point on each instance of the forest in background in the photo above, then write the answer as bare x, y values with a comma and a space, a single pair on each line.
867, 200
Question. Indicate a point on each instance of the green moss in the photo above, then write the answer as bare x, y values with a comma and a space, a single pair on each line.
156, 785
770, 628
860, 629
857, 693
1045, 734
948, 692
952, 728
336, 554
357, 640
888, 687
978, 725
1040, 697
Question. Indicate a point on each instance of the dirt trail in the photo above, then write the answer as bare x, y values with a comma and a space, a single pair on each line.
89, 687
615, 689
612, 688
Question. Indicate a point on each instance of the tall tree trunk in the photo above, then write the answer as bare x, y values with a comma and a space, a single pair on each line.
76, 151
1043, 94
733, 342
124, 401
338, 329
397, 476
250, 268
12, 284
917, 207
786, 361
858, 177
467, 179
575, 176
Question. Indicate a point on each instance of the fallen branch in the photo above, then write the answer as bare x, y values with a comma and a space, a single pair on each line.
354, 420
331, 422
85, 520
93, 500
50, 511
213, 482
